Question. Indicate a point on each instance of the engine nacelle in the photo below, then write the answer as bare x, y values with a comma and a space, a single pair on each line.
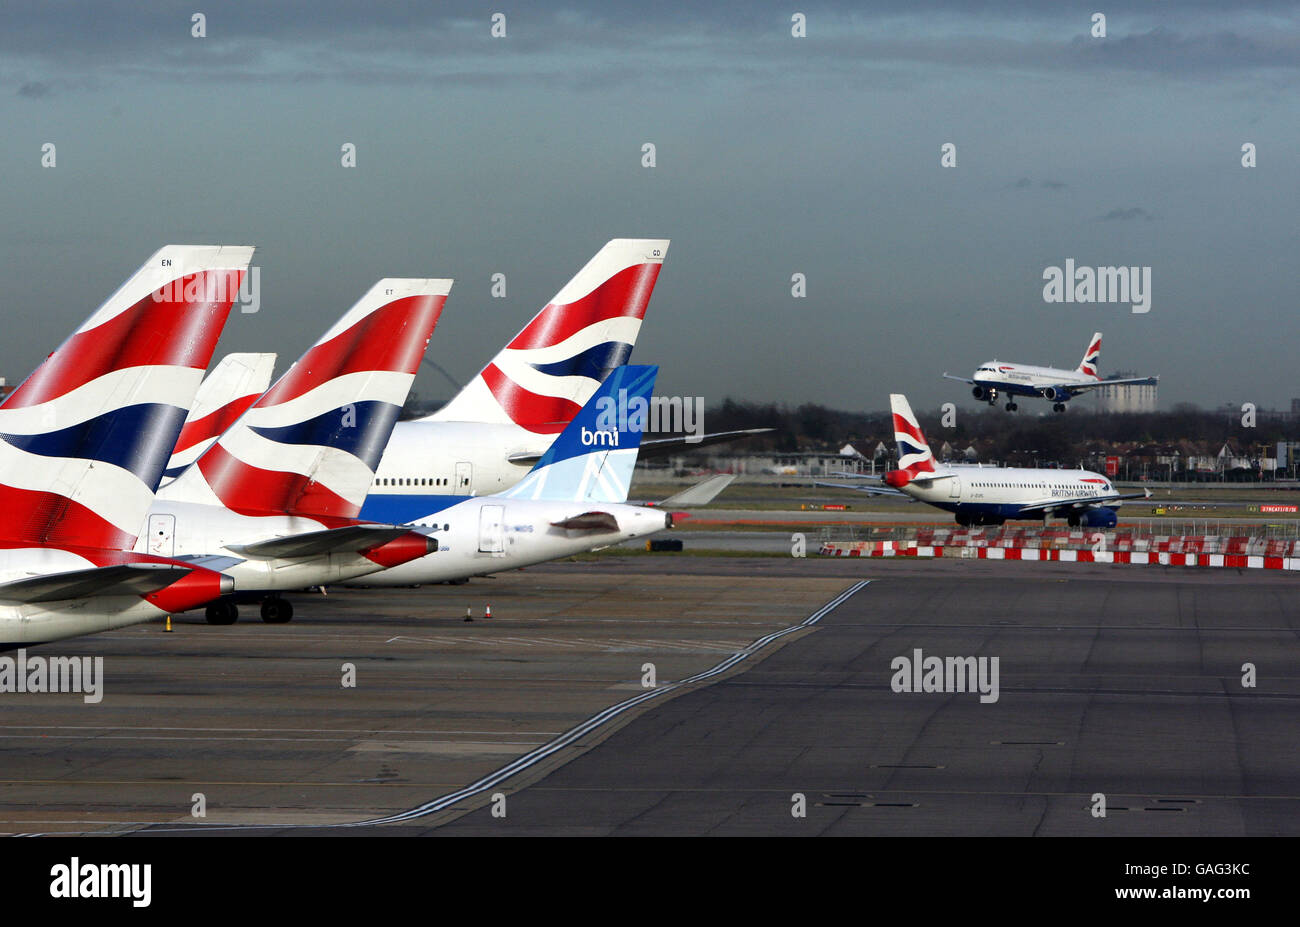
1100, 518
978, 392
897, 478
1052, 394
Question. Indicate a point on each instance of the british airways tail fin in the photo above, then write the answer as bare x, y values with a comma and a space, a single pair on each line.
84, 439
552, 368
224, 395
1091, 357
914, 455
311, 443
592, 460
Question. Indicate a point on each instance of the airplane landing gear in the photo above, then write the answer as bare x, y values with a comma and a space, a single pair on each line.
1059, 407
276, 610
223, 612
1011, 407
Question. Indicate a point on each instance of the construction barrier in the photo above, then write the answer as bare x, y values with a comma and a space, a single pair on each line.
1242, 552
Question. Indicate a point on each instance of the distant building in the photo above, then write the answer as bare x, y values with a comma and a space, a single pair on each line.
1125, 397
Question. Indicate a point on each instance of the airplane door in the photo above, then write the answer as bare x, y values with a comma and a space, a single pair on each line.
954, 488
162, 535
491, 530
464, 475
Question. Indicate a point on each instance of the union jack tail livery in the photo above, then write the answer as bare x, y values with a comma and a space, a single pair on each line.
224, 395
914, 455
550, 370
310, 445
84, 439
593, 458
1088, 366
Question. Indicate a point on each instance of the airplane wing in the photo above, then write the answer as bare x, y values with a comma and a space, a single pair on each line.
870, 490
958, 379
1073, 389
660, 447
1061, 505
119, 579
347, 539
701, 493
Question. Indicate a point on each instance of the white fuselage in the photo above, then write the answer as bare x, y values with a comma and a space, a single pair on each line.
193, 529
427, 458
1001, 491
1026, 380
491, 534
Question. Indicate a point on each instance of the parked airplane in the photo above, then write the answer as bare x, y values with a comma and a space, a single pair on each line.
224, 395
992, 495
572, 501
1055, 385
498, 426
274, 501
83, 442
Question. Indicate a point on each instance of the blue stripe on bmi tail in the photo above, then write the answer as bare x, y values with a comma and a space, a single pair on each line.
595, 363
361, 429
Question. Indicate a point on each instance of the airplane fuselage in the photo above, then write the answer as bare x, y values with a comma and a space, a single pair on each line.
996, 378
991, 495
432, 458
489, 534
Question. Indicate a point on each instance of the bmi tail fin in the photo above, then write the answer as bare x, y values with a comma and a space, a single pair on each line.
592, 460
1091, 357
84, 439
552, 368
224, 395
914, 454
311, 443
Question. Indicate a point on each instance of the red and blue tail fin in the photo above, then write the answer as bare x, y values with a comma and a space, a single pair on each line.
550, 370
84, 439
311, 443
914, 455
1091, 357
224, 395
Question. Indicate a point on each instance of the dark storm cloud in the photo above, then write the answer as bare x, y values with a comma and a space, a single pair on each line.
413, 42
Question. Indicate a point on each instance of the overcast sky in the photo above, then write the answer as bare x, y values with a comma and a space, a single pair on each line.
775, 155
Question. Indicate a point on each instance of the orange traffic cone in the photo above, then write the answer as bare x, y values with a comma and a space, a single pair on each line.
488, 612
168, 629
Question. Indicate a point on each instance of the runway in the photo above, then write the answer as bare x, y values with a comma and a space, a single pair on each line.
1119, 682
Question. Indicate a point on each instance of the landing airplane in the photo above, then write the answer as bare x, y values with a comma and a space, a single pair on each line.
273, 502
1051, 383
83, 443
992, 495
572, 501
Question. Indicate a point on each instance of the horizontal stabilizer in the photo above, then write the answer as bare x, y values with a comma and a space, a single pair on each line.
701, 493
118, 580
588, 521
676, 444
348, 539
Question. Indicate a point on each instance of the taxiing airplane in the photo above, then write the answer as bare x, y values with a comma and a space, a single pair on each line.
83, 443
1053, 384
273, 502
992, 495
573, 500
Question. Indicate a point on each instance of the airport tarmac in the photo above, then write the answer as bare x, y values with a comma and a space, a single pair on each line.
1120, 681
